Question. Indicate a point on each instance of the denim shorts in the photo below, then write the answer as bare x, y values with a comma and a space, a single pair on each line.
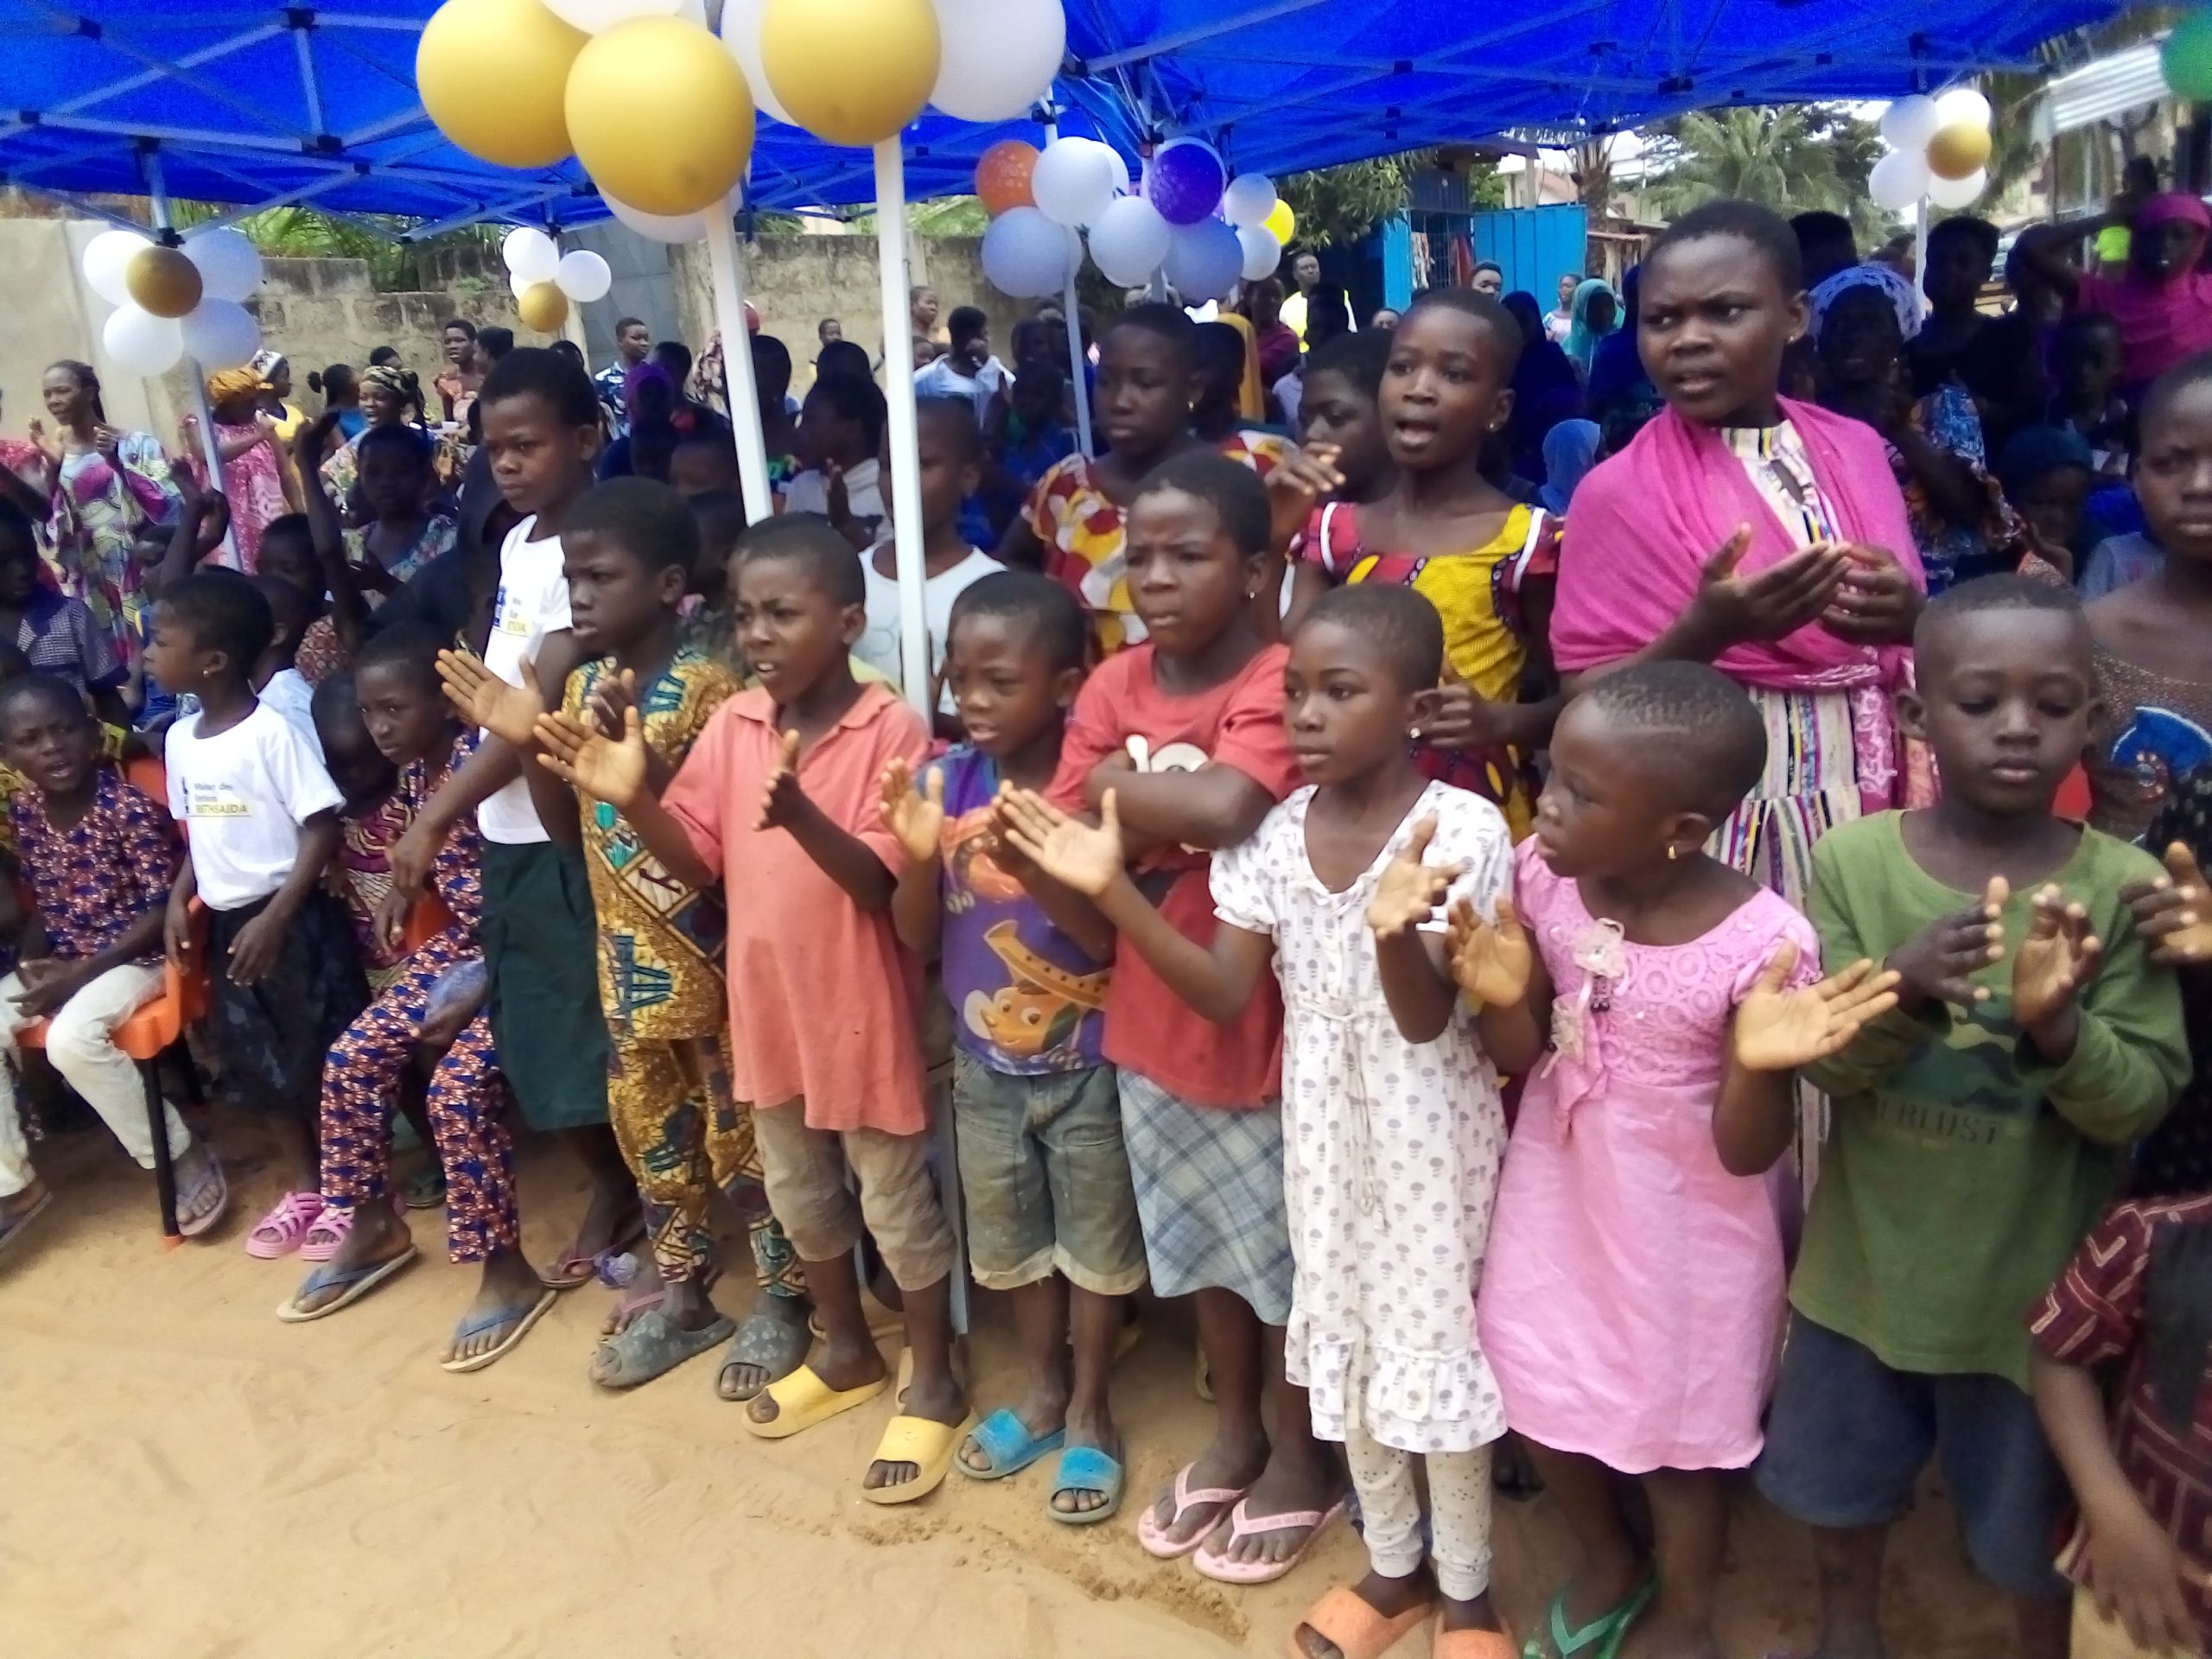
1848, 1437
1046, 1179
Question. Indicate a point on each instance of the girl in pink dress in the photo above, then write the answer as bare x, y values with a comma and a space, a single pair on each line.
1633, 1296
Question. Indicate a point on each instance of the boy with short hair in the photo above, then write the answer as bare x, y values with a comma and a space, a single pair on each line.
1979, 1128
1052, 1216
780, 795
263, 821
98, 858
840, 434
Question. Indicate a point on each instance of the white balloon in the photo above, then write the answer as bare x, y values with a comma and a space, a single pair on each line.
221, 334
584, 276
1204, 261
230, 265
1910, 123
999, 57
530, 254
1961, 104
516, 284
138, 342
1958, 193
1249, 200
658, 227
107, 257
1898, 180
1129, 241
593, 15
1263, 253
1026, 254
1075, 181
1074, 261
742, 35
1125, 182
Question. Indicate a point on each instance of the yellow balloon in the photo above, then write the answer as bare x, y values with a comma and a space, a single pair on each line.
1283, 222
1958, 151
490, 74
851, 72
163, 282
542, 307
661, 116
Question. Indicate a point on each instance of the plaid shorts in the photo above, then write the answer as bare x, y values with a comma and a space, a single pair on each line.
1209, 1196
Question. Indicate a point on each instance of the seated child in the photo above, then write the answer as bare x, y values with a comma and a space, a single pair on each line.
1675, 995
1187, 730
1382, 1078
373, 818
98, 858
1978, 1128
780, 794
358, 1238
263, 819
1052, 1217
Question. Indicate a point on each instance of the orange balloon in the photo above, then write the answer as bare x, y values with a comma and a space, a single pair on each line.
1002, 176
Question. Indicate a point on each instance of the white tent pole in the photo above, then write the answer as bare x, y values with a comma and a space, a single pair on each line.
1920, 251
899, 393
725, 266
1071, 308
210, 455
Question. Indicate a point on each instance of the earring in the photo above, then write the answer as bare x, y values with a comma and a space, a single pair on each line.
1413, 732
1672, 852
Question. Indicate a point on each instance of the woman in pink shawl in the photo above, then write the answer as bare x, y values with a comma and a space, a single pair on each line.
2162, 301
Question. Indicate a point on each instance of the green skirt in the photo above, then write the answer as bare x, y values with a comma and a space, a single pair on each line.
540, 949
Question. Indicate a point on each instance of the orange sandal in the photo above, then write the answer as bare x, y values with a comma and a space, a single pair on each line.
1357, 1629
1473, 1644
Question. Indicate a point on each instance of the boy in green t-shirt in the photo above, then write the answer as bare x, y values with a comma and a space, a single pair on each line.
1978, 1128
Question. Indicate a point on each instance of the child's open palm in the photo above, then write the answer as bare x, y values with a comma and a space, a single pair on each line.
2059, 956
1069, 850
508, 712
915, 817
781, 798
1410, 890
1778, 1029
1493, 961
607, 769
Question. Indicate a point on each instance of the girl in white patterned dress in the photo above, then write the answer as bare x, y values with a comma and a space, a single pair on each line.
1393, 1128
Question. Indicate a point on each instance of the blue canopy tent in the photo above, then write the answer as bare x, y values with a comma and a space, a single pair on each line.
261, 107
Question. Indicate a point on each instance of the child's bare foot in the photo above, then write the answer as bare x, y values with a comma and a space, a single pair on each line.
1292, 1481
201, 1192
647, 1290
378, 1236
1091, 1428
1225, 1466
507, 1296
611, 1218
1391, 1597
770, 1343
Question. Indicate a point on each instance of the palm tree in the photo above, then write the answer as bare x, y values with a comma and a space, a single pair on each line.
1795, 159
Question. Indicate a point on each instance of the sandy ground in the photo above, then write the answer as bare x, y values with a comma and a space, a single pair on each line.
180, 1474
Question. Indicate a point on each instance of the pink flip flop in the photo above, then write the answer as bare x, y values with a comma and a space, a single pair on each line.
1160, 1541
282, 1228
327, 1237
1221, 1567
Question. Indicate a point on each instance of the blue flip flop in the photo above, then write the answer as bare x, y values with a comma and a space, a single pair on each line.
1086, 1469
358, 1282
1006, 1441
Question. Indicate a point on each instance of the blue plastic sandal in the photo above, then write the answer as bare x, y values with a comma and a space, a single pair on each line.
1086, 1469
1006, 1441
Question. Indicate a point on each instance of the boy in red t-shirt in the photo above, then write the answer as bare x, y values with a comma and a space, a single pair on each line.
1187, 730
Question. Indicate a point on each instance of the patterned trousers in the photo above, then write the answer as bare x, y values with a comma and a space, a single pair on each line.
684, 1139
360, 1089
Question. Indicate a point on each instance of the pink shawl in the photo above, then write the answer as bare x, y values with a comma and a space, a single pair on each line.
1644, 523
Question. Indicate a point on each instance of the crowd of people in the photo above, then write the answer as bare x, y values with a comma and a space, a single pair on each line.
1613, 894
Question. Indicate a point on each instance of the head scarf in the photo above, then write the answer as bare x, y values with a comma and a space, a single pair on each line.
1570, 451
392, 378
1581, 339
263, 361
226, 384
640, 377
2174, 205
2034, 451
1904, 298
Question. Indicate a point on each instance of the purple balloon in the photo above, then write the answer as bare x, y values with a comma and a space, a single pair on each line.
1184, 180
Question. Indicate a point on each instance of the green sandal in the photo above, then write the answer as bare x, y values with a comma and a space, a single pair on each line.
1601, 1638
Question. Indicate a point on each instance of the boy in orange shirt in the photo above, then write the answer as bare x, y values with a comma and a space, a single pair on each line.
777, 800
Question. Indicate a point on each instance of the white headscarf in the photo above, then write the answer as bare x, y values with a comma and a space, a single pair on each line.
1901, 295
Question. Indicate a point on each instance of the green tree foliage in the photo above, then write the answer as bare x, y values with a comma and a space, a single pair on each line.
1795, 159
1341, 205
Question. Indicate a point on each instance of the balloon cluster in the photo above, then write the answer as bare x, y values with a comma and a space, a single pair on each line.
1206, 230
661, 114
171, 303
1939, 149
545, 279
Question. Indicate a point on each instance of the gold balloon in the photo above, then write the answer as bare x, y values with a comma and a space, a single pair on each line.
490, 74
661, 116
1958, 151
851, 72
163, 282
542, 307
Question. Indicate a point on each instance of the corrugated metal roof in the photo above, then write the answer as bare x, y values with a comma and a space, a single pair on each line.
2126, 81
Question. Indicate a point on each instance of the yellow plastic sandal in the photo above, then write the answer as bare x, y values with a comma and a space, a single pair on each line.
928, 1446
802, 1399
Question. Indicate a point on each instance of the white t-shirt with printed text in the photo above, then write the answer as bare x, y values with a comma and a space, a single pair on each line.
533, 602
241, 796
